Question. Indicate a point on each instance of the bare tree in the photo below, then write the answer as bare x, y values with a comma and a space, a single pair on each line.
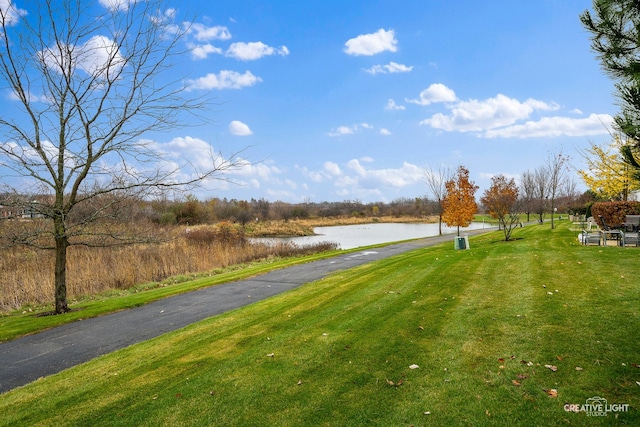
555, 172
88, 83
541, 191
436, 182
528, 193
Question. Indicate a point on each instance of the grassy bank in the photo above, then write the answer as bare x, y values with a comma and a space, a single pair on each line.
502, 334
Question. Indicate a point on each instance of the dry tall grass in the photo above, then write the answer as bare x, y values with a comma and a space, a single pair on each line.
26, 275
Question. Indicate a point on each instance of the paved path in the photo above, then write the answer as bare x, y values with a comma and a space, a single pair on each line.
26, 359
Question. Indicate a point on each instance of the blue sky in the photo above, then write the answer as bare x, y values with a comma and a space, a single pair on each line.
335, 100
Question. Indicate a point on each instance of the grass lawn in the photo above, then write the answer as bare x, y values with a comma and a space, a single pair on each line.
506, 333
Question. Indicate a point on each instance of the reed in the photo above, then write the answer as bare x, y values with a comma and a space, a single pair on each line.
26, 275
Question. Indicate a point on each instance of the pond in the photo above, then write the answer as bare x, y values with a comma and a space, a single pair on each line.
355, 236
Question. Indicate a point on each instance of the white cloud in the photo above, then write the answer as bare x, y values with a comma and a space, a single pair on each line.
31, 97
225, 79
202, 51
254, 50
263, 171
595, 124
10, 12
385, 132
358, 178
204, 33
371, 44
391, 105
116, 5
349, 130
435, 93
406, 175
98, 57
478, 116
239, 129
342, 130
505, 117
391, 67
332, 168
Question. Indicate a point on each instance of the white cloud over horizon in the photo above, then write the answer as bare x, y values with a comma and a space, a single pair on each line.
546, 127
356, 177
505, 117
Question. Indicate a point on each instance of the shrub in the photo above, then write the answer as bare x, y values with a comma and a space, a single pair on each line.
614, 213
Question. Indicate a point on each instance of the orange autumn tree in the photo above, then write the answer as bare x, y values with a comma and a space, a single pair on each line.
500, 200
459, 204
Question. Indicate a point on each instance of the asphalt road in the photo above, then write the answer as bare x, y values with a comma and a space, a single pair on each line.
26, 359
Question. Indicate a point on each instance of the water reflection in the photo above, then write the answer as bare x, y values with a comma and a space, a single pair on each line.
354, 236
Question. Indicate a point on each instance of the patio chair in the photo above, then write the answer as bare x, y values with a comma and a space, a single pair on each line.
617, 235
632, 223
589, 237
631, 238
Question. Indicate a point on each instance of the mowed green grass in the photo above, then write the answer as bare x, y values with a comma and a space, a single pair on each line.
479, 324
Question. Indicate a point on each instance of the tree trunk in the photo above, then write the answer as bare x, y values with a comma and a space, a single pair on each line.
60, 279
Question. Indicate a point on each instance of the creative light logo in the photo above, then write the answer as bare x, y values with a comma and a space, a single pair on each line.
596, 407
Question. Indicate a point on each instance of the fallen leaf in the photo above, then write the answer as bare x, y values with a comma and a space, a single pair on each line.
552, 392
516, 383
421, 328
638, 382
559, 358
578, 368
390, 382
414, 366
270, 355
427, 412
501, 366
501, 360
553, 368
300, 382
549, 293
486, 411
635, 365
523, 376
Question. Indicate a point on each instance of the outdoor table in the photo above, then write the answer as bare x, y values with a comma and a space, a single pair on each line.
617, 235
